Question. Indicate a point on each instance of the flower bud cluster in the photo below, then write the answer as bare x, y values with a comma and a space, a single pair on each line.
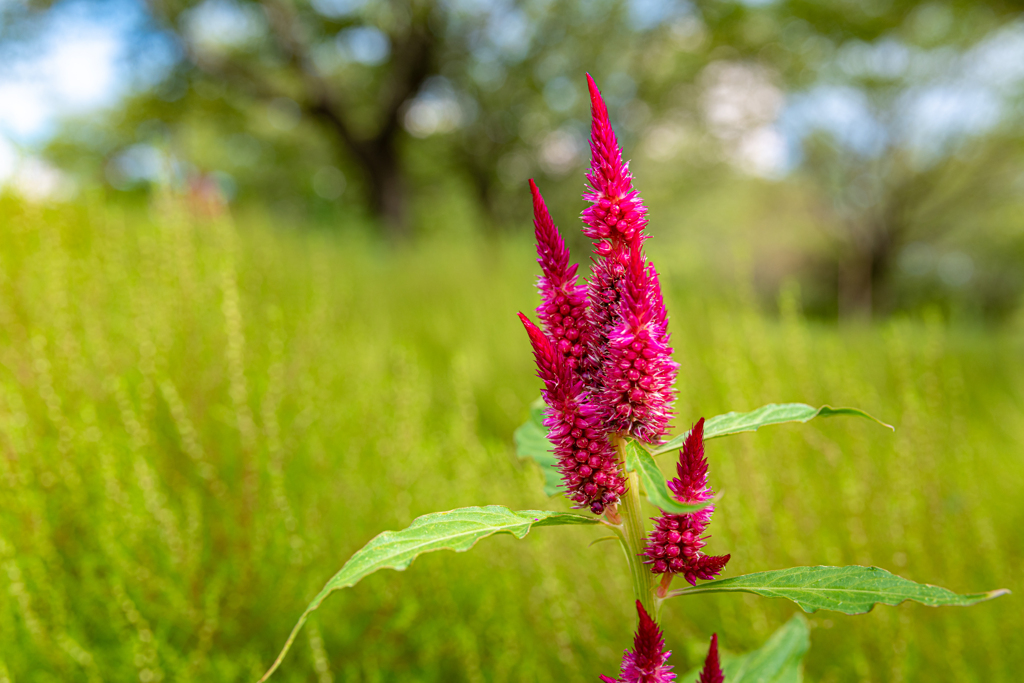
586, 458
621, 217
674, 547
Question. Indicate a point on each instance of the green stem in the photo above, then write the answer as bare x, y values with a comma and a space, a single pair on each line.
634, 537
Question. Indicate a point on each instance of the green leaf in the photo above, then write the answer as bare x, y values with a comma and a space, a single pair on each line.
771, 414
640, 461
777, 661
851, 590
457, 530
532, 442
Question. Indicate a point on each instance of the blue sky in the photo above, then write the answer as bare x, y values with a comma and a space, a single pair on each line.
83, 59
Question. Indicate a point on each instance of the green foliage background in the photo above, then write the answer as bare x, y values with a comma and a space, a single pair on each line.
199, 422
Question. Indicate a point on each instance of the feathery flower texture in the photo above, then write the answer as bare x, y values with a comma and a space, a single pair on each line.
604, 351
630, 346
647, 661
674, 547
585, 456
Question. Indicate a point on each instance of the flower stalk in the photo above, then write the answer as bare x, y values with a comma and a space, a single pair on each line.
634, 538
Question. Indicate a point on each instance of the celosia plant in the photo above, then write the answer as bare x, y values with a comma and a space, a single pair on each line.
604, 357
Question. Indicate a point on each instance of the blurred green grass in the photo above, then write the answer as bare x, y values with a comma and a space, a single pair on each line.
199, 423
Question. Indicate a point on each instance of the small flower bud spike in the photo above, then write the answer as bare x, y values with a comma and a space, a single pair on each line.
712, 671
674, 547
563, 309
691, 486
586, 458
647, 661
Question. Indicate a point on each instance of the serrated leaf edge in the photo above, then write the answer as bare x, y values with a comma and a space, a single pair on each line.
715, 587
823, 411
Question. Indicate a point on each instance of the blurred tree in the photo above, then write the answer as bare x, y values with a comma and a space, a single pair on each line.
501, 83
269, 52
905, 117
878, 210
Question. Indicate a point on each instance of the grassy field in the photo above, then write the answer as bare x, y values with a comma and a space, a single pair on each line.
200, 422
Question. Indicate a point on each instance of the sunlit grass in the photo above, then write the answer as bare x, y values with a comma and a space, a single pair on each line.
200, 422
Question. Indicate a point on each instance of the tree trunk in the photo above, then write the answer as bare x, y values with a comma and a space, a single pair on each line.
388, 192
855, 287
864, 275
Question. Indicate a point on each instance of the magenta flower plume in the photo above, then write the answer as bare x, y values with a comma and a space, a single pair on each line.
638, 372
628, 323
564, 302
615, 219
617, 212
712, 671
586, 458
646, 662
674, 547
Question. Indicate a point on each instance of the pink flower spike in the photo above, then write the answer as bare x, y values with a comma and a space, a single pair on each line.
692, 484
586, 457
647, 661
564, 302
692, 468
638, 372
624, 293
712, 671
675, 544
617, 213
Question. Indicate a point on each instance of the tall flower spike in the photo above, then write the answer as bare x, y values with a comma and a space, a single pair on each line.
586, 458
615, 219
674, 547
647, 661
563, 308
712, 671
626, 307
617, 212
638, 370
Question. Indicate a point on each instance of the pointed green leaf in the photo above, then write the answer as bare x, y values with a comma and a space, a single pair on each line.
851, 590
457, 530
777, 661
532, 442
771, 414
640, 461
